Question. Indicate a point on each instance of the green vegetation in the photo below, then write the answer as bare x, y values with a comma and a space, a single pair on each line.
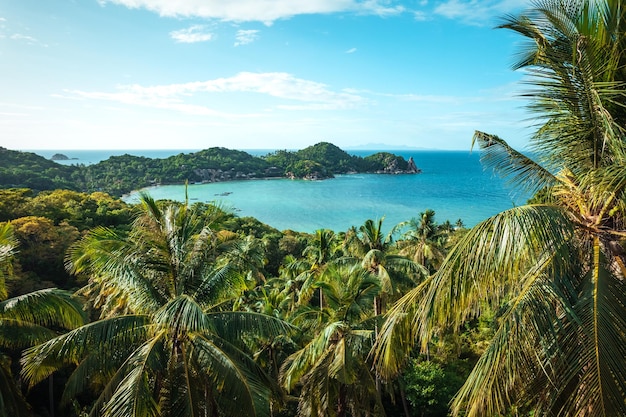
191, 298
28, 170
192, 310
26, 320
162, 290
324, 159
553, 270
119, 175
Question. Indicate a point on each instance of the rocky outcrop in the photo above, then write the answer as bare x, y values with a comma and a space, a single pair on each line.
59, 157
412, 168
393, 167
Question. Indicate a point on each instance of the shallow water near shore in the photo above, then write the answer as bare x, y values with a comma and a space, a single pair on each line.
453, 183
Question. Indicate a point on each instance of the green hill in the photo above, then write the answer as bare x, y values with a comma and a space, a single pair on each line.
121, 174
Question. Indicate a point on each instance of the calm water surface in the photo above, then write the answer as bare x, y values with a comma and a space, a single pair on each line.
453, 183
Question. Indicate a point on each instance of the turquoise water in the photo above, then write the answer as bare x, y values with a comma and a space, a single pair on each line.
453, 183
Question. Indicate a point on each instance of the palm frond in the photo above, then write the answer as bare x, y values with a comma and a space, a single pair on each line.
8, 242
515, 167
485, 266
133, 396
595, 345
301, 362
12, 403
398, 334
47, 307
42, 360
181, 315
241, 384
234, 325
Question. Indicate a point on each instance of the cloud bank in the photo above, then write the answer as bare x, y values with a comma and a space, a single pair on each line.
266, 11
478, 12
309, 95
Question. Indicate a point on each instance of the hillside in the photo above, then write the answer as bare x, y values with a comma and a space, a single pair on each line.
121, 174
29, 170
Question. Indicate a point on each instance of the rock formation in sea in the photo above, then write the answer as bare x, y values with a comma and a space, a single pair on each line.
59, 157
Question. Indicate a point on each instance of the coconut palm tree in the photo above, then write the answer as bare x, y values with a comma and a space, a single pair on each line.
424, 241
323, 249
174, 349
26, 320
553, 269
372, 249
332, 368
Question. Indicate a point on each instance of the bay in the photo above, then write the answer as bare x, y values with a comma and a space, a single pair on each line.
453, 183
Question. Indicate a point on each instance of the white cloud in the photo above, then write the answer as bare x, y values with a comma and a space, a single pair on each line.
351, 51
278, 85
478, 12
380, 8
244, 37
26, 38
420, 16
196, 33
266, 11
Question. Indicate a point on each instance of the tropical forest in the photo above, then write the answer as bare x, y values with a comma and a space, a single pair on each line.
169, 308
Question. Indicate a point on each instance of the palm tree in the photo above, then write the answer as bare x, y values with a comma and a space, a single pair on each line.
174, 348
553, 269
26, 320
323, 249
372, 248
332, 368
424, 240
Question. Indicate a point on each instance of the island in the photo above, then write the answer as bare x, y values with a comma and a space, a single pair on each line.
122, 174
59, 157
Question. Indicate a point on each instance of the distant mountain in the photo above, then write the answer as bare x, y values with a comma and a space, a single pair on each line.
386, 147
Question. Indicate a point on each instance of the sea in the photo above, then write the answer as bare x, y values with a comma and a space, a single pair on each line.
452, 183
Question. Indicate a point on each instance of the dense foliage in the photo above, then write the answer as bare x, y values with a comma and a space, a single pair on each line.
28, 170
324, 159
320, 286
194, 311
121, 174
554, 269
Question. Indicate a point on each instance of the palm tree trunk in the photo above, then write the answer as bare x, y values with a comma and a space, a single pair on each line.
341, 402
405, 404
321, 300
51, 395
376, 376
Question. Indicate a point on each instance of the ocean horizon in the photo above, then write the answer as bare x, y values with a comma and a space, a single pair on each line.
452, 183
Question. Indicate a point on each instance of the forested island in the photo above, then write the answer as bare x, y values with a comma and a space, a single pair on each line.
119, 175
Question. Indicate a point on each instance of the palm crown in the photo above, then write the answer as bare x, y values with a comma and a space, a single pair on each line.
168, 344
553, 269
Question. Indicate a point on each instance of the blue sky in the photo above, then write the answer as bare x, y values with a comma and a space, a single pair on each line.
257, 74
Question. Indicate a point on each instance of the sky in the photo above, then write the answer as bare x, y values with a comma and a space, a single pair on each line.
258, 74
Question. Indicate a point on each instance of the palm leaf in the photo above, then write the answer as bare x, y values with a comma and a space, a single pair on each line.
512, 165
12, 403
133, 396
111, 334
595, 348
241, 384
47, 307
